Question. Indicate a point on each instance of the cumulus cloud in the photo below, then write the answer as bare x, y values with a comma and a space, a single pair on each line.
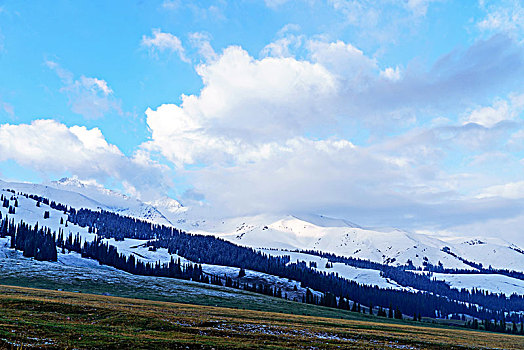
345, 61
162, 42
245, 103
88, 96
50, 147
455, 81
274, 133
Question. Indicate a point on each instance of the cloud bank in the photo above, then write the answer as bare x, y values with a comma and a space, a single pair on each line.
276, 133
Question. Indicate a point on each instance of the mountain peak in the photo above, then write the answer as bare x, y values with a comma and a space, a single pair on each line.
167, 204
76, 182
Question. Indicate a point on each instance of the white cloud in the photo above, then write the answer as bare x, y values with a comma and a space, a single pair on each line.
507, 228
201, 10
491, 158
325, 176
383, 22
358, 12
503, 16
290, 27
286, 43
501, 110
64, 74
88, 96
512, 190
281, 47
516, 140
489, 116
392, 74
50, 147
95, 85
161, 41
202, 42
418, 7
275, 133
244, 104
344, 60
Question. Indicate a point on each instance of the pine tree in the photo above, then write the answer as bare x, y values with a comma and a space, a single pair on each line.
398, 314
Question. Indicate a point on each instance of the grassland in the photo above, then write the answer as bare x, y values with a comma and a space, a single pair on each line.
57, 319
156, 313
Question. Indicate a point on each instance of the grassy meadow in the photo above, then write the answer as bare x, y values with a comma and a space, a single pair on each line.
37, 318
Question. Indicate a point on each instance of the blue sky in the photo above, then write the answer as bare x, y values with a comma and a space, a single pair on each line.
403, 113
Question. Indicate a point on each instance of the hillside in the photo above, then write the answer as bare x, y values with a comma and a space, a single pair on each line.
291, 232
277, 236
82, 195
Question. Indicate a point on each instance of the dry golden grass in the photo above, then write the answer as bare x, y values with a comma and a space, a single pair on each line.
52, 319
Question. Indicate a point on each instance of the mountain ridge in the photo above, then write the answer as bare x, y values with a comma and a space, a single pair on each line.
295, 232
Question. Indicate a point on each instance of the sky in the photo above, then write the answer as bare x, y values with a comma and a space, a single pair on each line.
403, 113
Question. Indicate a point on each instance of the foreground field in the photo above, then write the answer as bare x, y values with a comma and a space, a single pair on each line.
52, 319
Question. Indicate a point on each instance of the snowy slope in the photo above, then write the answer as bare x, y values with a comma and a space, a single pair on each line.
302, 232
32, 214
276, 235
391, 246
364, 276
74, 273
492, 283
77, 194
28, 212
493, 252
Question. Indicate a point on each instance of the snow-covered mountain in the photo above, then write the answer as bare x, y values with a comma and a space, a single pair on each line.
290, 232
390, 246
278, 235
78, 194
